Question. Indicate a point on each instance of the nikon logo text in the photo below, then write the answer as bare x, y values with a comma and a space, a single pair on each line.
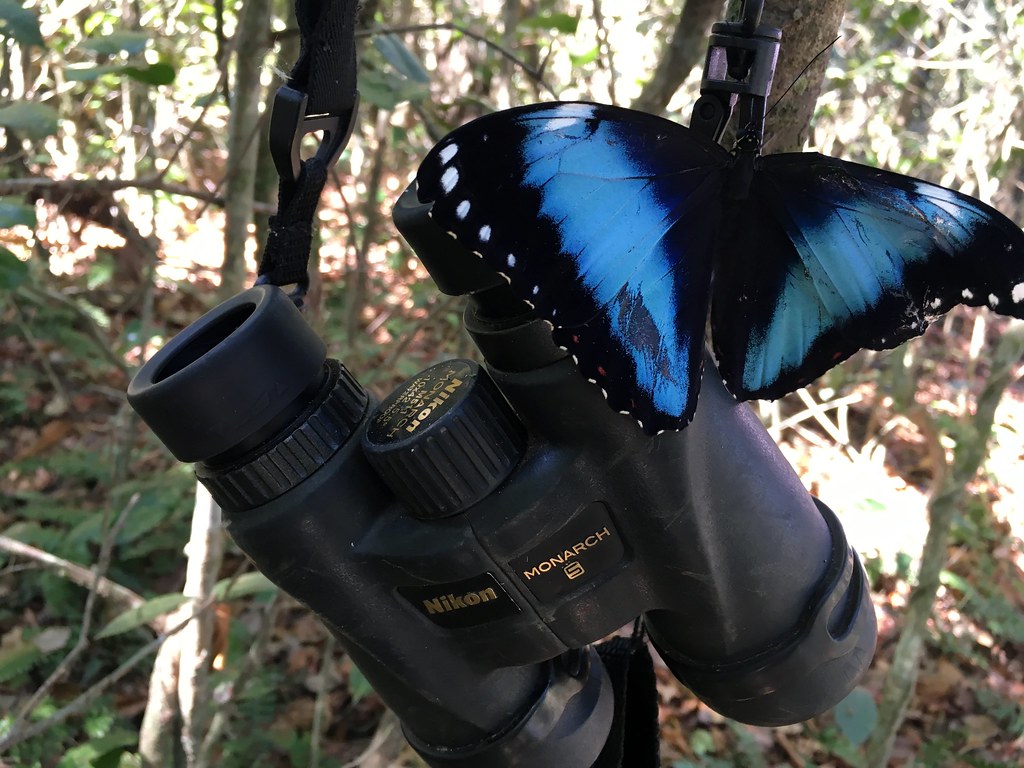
448, 603
429, 407
560, 559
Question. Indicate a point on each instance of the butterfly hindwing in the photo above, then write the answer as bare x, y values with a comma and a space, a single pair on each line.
835, 256
604, 220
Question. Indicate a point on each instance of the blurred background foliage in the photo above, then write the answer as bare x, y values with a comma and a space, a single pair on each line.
134, 191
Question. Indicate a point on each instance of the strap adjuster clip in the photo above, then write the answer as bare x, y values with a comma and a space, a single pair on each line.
289, 124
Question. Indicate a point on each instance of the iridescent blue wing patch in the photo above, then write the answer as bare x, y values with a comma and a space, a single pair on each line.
604, 219
834, 257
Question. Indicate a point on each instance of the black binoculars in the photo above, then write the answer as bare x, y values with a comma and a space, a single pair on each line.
468, 537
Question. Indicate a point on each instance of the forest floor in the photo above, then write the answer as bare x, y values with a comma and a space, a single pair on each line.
62, 417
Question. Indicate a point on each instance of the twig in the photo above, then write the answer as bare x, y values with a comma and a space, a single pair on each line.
819, 408
253, 658
83, 700
947, 491
387, 735
153, 183
82, 643
76, 574
322, 690
605, 49
187, 135
357, 281
51, 374
532, 73
102, 344
440, 306
205, 553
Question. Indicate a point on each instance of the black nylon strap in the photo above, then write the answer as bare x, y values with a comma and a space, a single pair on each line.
325, 76
634, 740
326, 69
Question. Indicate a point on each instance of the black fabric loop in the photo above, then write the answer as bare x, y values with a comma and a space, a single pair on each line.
634, 738
286, 255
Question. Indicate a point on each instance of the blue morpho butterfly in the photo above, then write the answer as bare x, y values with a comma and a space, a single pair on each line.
620, 227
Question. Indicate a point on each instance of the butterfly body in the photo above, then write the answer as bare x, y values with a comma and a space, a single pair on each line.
621, 229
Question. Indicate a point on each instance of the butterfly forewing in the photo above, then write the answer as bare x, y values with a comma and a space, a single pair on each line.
835, 256
604, 220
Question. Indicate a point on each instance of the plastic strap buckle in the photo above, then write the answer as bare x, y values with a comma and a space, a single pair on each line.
289, 124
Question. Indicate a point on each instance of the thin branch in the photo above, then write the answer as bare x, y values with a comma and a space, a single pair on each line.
82, 643
439, 307
102, 343
82, 702
154, 183
44, 361
322, 690
252, 660
530, 72
76, 574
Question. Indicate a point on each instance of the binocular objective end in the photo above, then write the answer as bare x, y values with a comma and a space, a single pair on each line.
801, 675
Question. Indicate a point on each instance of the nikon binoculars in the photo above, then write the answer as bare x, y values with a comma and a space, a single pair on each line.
469, 536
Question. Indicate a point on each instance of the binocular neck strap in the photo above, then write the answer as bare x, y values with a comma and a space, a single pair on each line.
634, 740
320, 96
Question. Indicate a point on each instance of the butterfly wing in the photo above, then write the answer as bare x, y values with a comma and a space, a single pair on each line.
830, 257
604, 220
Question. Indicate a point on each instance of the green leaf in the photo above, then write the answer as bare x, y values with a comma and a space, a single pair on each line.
145, 613
18, 660
36, 121
87, 74
386, 91
20, 24
582, 59
561, 22
13, 271
857, 715
160, 73
14, 212
129, 42
94, 751
401, 58
246, 584
358, 686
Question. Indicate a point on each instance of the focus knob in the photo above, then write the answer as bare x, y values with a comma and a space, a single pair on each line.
445, 439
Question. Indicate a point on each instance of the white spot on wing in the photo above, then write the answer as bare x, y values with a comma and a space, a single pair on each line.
449, 179
448, 153
1018, 293
485, 234
936, 303
462, 211
967, 294
993, 300
536, 290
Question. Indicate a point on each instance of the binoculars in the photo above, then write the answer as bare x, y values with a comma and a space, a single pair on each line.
468, 537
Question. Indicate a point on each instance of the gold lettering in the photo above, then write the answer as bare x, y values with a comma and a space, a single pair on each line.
487, 594
433, 606
531, 573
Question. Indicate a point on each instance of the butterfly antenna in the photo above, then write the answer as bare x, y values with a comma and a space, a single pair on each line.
802, 73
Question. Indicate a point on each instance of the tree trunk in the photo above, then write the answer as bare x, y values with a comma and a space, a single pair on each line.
243, 135
683, 53
808, 27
